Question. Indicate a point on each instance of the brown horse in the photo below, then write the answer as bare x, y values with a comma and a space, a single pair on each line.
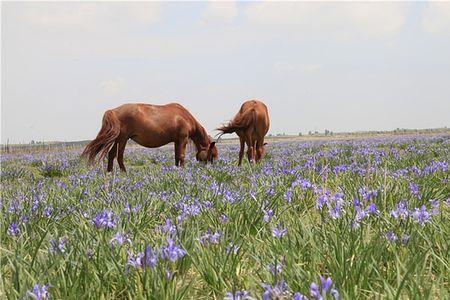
251, 124
151, 126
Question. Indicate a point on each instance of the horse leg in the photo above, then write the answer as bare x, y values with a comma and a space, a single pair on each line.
122, 144
241, 151
182, 150
250, 151
111, 155
259, 149
177, 153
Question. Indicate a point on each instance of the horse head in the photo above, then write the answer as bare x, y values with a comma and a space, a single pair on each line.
208, 154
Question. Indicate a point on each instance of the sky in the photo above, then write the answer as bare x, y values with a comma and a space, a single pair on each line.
317, 65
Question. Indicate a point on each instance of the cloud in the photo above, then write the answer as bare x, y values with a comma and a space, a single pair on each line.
85, 16
436, 18
220, 12
367, 19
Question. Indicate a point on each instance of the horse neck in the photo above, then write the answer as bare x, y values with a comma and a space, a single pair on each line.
200, 137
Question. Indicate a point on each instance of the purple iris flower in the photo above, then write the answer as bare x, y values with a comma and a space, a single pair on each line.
400, 211
414, 188
210, 237
321, 201
13, 229
150, 258
135, 261
223, 219
275, 292
105, 219
390, 236
239, 295
119, 239
275, 269
298, 296
278, 231
38, 293
434, 207
421, 215
233, 247
59, 246
268, 214
321, 292
172, 252
288, 195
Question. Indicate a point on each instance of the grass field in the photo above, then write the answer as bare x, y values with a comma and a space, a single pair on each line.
373, 216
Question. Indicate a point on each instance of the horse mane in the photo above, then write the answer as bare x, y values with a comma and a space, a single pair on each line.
200, 137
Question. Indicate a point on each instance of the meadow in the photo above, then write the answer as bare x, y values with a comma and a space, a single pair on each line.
360, 219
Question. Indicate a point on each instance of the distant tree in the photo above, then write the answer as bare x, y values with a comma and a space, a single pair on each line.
299, 134
309, 132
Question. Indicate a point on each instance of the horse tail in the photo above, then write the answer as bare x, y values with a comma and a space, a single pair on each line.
241, 121
105, 138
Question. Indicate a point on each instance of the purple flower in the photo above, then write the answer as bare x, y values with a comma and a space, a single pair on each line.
233, 247
275, 269
288, 195
434, 207
48, 211
239, 295
209, 237
58, 247
372, 209
38, 293
390, 236
401, 211
172, 252
321, 201
314, 291
105, 219
278, 231
421, 215
325, 286
325, 283
298, 296
168, 228
268, 214
119, 239
335, 211
135, 261
13, 229
414, 188
223, 219
275, 292
150, 258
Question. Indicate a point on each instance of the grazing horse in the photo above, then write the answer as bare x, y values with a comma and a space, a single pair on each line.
251, 124
151, 126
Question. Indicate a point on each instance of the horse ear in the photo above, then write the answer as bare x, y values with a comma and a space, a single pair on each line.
212, 144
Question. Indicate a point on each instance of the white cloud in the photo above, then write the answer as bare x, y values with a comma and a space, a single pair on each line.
86, 16
368, 19
220, 12
436, 18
